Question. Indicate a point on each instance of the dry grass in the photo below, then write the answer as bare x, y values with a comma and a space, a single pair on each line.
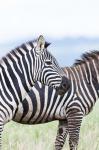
41, 137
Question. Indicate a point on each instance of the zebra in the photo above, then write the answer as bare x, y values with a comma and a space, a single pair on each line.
85, 76
20, 69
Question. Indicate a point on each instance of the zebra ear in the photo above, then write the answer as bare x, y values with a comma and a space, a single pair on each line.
40, 44
47, 44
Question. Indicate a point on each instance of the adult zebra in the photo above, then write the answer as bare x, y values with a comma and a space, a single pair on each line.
85, 77
19, 69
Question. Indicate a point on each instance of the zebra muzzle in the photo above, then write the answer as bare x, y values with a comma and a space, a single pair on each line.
64, 86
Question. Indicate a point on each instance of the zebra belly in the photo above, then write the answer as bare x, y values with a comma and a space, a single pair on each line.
28, 113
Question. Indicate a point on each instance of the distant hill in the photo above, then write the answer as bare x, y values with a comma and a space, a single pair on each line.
66, 50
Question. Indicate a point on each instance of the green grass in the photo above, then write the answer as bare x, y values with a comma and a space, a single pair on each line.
42, 137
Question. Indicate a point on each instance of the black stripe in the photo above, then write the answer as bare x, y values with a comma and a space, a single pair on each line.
34, 104
9, 105
42, 99
24, 47
6, 93
50, 91
31, 44
25, 108
15, 80
9, 86
30, 65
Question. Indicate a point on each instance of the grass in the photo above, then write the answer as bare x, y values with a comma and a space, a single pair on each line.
42, 137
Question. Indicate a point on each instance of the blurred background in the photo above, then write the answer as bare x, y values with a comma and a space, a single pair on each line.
71, 26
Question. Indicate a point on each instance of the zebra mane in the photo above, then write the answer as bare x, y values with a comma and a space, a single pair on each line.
25, 47
86, 57
28, 46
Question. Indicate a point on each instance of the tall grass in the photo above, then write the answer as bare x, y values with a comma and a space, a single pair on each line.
42, 137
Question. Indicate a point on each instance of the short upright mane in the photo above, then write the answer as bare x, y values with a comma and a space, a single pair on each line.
26, 46
86, 57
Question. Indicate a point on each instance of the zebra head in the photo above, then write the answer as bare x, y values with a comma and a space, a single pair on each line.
47, 70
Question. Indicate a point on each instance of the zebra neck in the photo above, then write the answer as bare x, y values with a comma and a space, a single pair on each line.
17, 72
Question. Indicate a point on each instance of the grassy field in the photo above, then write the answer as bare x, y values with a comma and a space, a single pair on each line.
41, 137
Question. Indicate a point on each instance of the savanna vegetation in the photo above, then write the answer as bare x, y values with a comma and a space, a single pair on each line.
41, 137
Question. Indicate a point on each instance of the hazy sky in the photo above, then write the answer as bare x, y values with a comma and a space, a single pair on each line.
53, 18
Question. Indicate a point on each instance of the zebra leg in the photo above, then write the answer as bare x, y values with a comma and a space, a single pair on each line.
61, 135
74, 123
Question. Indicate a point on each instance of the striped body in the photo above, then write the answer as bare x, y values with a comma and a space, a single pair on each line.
41, 104
85, 77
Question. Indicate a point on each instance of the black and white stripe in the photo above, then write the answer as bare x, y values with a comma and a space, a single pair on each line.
41, 104
19, 69
85, 74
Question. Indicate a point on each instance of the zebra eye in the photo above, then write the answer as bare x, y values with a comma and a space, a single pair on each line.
48, 62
